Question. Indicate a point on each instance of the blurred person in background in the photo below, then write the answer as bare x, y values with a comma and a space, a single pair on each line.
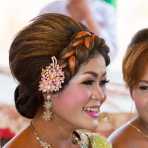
135, 73
5, 135
112, 2
60, 67
98, 15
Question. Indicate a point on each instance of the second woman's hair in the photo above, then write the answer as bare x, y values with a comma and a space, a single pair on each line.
136, 58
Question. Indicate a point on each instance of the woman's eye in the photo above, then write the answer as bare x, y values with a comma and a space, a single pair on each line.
144, 87
88, 82
103, 82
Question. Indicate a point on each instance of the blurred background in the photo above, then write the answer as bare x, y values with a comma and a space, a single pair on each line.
130, 17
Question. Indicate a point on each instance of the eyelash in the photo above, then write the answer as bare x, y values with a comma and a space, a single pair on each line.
104, 82
90, 82
143, 87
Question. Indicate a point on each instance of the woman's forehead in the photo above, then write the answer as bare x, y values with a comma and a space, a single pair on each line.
95, 66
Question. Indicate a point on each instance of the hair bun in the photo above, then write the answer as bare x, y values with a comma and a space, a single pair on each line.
25, 103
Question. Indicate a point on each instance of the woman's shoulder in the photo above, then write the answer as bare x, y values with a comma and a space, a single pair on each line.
19, 139
96, 140
122, 135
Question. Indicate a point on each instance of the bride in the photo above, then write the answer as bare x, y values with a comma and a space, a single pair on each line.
61, 71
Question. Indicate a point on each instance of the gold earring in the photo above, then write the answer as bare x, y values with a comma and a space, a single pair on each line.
47, 114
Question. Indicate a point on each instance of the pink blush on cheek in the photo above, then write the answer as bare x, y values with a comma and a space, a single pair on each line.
137, 99
73, 95
140, 103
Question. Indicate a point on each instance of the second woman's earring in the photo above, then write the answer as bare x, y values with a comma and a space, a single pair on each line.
47, 114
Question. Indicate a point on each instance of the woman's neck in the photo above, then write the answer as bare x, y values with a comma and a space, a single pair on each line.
56, 131
143, 125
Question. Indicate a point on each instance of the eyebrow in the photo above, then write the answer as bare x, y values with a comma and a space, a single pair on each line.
94, 74
143, 81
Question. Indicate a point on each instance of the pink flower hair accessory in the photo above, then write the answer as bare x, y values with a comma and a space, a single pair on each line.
52, 77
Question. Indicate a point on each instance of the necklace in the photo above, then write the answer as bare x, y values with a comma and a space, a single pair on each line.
40, 140
139, 130
44, 144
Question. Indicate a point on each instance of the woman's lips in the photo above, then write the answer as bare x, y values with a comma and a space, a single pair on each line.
92, 111
93, 114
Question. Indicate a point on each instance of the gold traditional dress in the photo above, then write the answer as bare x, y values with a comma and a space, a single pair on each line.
93, 140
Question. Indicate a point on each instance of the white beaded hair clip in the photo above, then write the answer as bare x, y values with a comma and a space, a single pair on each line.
52, 77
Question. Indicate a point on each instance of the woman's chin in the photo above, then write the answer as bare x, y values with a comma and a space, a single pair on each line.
90, 125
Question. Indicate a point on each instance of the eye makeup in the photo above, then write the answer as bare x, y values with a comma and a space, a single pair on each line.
143, 85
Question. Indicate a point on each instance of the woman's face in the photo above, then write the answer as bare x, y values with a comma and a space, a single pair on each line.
140, 96
76, 104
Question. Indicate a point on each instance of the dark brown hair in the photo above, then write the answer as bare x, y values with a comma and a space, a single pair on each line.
46, 36
136, 58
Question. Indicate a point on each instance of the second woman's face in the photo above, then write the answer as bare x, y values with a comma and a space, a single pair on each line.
140, 96
79, 103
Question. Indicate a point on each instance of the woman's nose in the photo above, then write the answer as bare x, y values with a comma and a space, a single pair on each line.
99, 93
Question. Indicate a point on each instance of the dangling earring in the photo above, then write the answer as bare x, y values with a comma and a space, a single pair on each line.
52, 78
47, 114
